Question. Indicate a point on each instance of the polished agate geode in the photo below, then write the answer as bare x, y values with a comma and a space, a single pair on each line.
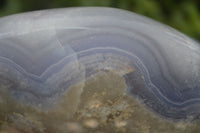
80, 70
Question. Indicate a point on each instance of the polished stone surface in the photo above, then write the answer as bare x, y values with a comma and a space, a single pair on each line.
61, 66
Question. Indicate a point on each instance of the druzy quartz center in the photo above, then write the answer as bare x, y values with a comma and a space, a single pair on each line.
96, 69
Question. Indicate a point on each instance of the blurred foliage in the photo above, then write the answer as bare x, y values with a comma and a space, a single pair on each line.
183, 15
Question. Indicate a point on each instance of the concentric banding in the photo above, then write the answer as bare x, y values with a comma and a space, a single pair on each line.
43, 53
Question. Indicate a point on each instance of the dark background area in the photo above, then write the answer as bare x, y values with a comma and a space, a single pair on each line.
183, 15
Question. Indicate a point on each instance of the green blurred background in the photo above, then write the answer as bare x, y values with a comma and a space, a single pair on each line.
183, 15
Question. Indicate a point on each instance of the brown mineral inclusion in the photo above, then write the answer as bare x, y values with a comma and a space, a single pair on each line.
99, 104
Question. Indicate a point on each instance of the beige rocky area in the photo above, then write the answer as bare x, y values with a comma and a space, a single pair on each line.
98, 105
